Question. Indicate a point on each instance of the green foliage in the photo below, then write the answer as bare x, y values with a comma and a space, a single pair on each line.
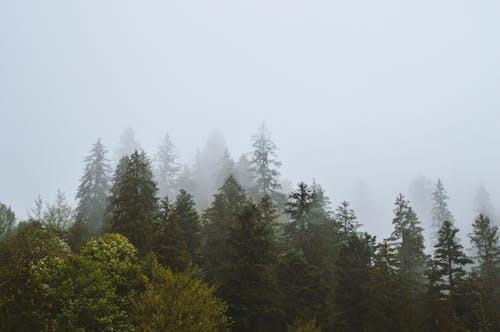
91, 291
189, 221
178, 303
248, 282
224, 212
169, 243
133, 203
24, 305
301, 325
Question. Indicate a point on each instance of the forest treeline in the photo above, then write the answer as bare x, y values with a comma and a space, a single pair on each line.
143, 252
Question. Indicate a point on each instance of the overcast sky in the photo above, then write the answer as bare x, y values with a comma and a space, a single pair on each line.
372, 92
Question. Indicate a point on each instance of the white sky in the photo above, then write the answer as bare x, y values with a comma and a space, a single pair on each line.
377, 91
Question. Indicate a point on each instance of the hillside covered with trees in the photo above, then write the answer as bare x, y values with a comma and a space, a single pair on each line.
153, 245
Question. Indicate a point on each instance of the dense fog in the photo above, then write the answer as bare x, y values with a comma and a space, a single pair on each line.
361, 96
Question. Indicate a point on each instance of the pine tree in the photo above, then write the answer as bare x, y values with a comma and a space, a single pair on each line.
169, 244
133, 202
346, 219
383, 295
223, 212
408, 242
450, 258
243, 173
297, 208
225, 168
264, 164
483, 203
167, 168
94, 189
484, 239
189, 221
249, 281
440, 211
127, 144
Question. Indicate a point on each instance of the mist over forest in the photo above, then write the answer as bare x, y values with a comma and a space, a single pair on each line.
249, 166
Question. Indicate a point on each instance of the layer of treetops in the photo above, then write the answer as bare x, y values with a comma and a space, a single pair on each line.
141, 252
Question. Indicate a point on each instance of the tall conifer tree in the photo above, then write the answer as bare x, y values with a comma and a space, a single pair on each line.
133, 202
94, 188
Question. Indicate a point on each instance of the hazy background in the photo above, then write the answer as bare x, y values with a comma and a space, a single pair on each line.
361, 95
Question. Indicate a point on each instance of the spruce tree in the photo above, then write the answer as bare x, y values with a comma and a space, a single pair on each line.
127, 144
133, 203
94, 189
264, 164
408, 242
484, 238
249, 282
167, 168
217, 220
346, 219
189, 222
225, 168
440, 211
450, 259
169, 244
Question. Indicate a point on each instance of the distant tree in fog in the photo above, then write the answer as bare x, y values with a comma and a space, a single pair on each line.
127, 144
440, 211
7, 219
265, 164
225, 168
94, 188
482, 203
166, 167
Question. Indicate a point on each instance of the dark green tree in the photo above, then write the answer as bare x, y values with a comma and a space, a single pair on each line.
408, 241
382, 289
24, 305
217, 220
352, 277
450, 258
94, 189
169, 242
484, 238
189, 221
249, 283
133, 202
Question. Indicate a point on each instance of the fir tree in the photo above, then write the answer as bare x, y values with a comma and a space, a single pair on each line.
264, 164
223, 212
167, 169
346, 219
449, 258
440, 211
249, 281
408, 242
189, 221
94, 188
225, 168
484, 239
134, 203
127, 144
169, 243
